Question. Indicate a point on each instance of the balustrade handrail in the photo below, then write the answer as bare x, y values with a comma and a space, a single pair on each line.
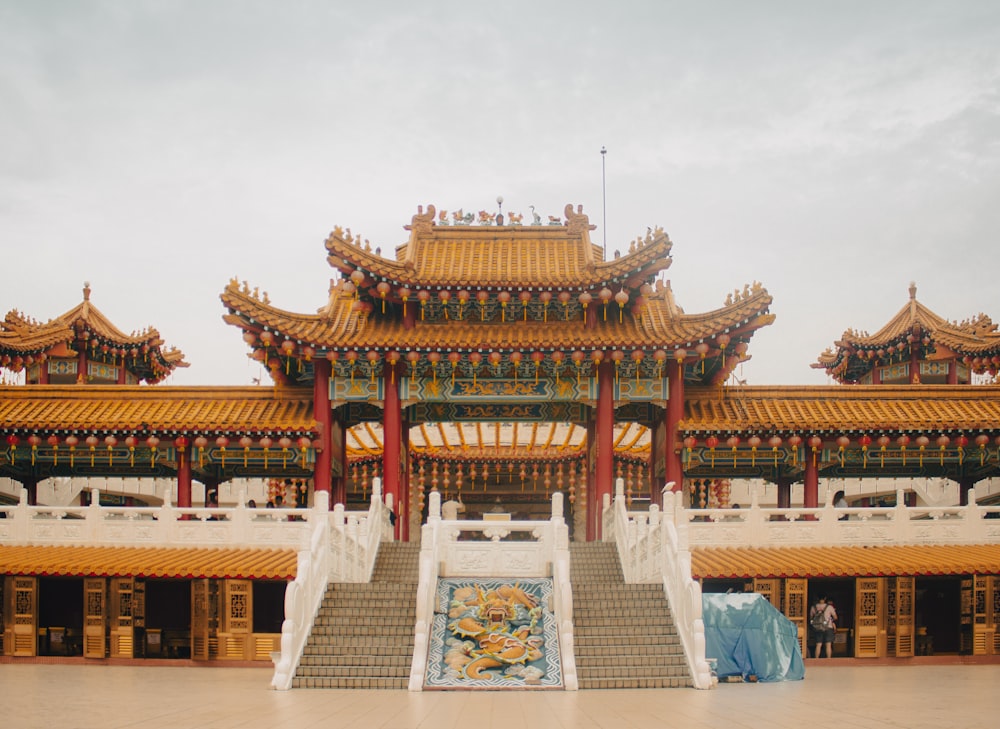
654, 550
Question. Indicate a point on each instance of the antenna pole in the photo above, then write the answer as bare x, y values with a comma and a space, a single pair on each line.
604, 204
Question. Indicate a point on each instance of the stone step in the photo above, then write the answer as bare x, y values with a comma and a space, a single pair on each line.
359, 661
355, 671
323, 630
340, 653
359, 682
612, 659
634, 683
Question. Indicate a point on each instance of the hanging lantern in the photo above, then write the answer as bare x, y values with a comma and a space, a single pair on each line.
842, 443
981, 441
463, 299
814, 443
434, 358
413, 358
564, 297
515, 361
702, 349
110, 441
71, 441
659, 356
504, 298
712, 442
246, 441
903, 441
392, 358
12, 441
495, 358
679, 355
152, 442
383, 289
617, 356
34, 441
754, 442
733, 442
922, 442
284, 442
794, 441
943, 442
775, 442
723, 341
201, 442
444, 296
404, 295
578, 358
304, 444
621, 298
92, 442
545, 297
53, 441
585, 299
423, 297
557, 359
865, 441
372, 357
222, 441
482, 297
689, 443
525, 298
537, 358
454, 358
637, 357
605, 295
882, 441
475, 358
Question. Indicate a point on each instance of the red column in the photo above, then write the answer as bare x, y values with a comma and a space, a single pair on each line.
784, 493
810, 497
953, 372
605, 440
81, 362
392, 440
321, 414
915, 367
674, 415
339, 438
404, 482
655, 448
183, 479
593, 508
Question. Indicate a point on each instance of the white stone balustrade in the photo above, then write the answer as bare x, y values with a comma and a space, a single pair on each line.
827, 525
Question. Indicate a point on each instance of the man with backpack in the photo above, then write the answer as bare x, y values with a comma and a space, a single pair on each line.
823, 620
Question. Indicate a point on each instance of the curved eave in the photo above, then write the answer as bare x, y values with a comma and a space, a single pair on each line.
863, 408
343, 330
827, 561
132, 408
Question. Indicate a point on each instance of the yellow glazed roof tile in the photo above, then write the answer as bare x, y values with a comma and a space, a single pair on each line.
277, 564
129, 408
744, 562
835, 407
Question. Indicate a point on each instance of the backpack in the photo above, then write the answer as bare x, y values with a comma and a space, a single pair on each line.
818, 619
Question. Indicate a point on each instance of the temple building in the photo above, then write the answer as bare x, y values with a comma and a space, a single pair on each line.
490, 371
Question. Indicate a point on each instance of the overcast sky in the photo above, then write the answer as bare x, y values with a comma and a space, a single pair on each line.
833, 151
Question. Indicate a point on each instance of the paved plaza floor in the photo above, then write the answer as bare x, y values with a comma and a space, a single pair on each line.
54, 696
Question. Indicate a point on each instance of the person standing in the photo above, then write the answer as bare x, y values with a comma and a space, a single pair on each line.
823, 619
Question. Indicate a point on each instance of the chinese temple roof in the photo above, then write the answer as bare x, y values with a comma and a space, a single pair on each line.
118, 561
831, 408
975, 342
505, 289
23, 339
512, 256
133, 409
829, 561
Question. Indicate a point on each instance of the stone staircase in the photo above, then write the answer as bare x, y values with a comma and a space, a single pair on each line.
624, 634
363, 634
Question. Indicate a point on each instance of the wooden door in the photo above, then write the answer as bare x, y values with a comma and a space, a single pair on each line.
199, 620
235, 619
900, 635
121, 617
985, 611
870, 618
20, 615
770, 588
966, 635
796, 607
94, 621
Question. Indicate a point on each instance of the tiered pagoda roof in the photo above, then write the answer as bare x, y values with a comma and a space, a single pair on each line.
975, 342
24, 341
504, 290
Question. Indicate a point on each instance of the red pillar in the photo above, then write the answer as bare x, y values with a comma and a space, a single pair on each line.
392, 440
810, 497
81, 362
915, 367
604, 475
784, 493
338, 439
953, 372
404, 482
674, 415
183, 479
592, 506
321, 414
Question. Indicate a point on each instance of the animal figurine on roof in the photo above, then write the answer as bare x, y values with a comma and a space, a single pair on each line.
515, 218
536, 218
443, 217
486, 218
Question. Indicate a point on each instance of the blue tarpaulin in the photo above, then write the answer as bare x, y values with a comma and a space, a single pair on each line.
749, 636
